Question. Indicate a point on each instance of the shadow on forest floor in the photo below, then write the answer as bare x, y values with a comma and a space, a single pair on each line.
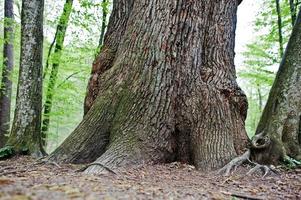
171, 181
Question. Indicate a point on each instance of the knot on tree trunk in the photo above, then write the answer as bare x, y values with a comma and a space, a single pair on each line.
260, 141
237, 98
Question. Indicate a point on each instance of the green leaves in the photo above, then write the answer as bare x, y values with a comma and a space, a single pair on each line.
6, 152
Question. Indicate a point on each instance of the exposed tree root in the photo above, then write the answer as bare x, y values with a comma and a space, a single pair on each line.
258, 142
98, 164
266, 170
226, 170
47, 162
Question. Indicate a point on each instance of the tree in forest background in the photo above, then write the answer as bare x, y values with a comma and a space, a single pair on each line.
7, 69
278, 136
263, 55
26, 130
57, 44
80, 47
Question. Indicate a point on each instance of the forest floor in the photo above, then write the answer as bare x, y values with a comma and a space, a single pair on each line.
21, 180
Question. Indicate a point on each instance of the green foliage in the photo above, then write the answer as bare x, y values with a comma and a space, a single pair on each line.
75, 63
291, 163
6, 152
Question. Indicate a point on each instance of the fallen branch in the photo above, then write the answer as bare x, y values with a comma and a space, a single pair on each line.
242, 196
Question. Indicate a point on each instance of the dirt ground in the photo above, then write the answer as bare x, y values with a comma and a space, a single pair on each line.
21, 180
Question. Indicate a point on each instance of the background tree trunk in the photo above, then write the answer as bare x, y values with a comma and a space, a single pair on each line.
168, 94
105, 10
59, 43
280, 124
293, 10
26, 129
8, 63
280, 36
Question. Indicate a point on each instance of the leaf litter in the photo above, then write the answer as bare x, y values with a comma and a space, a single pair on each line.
22, 180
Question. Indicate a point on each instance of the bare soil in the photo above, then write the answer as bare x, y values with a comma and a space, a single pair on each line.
21, 180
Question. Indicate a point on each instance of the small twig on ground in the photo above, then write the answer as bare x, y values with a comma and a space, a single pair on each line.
47, 162
5, 168
13, 172
99, 164
243, 196
27, 167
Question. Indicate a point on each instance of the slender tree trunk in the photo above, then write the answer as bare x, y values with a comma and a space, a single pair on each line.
170, 93
105, 13
293, 10
279, 22
259, 98
59, 43
279, 129
8, 63
26, 129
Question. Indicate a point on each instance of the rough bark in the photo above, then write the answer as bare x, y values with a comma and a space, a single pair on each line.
280, 123
279, 22
8, 63
26, 129
170, 93
59, 43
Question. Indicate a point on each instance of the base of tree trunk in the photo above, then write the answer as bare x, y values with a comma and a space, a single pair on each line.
168, 94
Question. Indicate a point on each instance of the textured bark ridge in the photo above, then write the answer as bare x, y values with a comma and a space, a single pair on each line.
279, 130
170, 93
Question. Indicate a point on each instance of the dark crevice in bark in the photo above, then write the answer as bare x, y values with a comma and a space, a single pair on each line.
299, 131
183, 151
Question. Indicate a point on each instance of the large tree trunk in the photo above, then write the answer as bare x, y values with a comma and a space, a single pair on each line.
56, 57
26, 129
279, 130
8, 63
169, 91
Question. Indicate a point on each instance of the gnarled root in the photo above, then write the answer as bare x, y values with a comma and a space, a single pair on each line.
46, 161
226, 170
98, 164
258, 142
265, 169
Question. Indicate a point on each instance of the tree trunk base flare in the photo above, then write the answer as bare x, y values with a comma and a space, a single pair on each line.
246, 157
170, 93
262, 150
278, 135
